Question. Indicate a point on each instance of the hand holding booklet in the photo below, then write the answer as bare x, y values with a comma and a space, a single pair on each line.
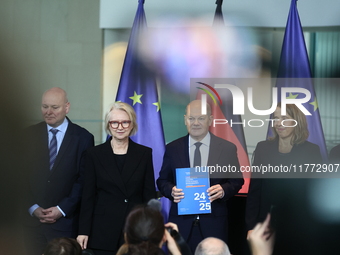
194, 184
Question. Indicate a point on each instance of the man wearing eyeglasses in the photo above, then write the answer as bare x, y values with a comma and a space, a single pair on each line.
200, 148
55, 180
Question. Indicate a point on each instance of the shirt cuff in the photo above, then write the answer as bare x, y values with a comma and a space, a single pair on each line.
32, 209
61, 211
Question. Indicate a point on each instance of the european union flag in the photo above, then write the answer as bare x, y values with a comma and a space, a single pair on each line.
138, 88
294, 63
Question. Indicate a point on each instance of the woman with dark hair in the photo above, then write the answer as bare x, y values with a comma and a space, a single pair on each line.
290, 129
287, 148
118, 176
145, 233
63, 246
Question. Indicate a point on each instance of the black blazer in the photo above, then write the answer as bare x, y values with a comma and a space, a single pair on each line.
265, 193
109, 195
334, 154
221, 152
62, 185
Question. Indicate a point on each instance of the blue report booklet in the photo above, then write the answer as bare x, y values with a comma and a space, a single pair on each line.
194, 184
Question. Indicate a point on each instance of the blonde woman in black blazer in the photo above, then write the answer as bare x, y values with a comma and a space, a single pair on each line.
118, 176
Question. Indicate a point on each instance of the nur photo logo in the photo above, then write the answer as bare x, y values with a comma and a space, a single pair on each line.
238, 103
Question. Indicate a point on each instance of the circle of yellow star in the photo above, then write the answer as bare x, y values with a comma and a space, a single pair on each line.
158, 105
291, 96
315, 104
136, 98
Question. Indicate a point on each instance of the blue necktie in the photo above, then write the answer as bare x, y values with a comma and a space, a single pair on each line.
53, 147
197, 155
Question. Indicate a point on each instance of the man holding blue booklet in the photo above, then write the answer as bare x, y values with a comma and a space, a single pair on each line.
202, 149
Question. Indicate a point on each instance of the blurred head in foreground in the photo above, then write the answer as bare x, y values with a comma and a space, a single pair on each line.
63, 246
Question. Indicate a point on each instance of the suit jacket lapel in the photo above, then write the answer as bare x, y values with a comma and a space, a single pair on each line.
183, 152
214, 151
109, 163
43, 147
133, 159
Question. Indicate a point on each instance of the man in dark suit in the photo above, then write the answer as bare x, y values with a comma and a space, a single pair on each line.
213, 151
55, 173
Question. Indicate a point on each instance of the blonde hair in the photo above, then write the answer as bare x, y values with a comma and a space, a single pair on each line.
129, 111
300, 132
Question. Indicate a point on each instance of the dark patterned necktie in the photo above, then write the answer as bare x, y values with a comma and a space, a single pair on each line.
197, 155
53, 147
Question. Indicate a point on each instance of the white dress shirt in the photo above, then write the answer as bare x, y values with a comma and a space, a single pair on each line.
60, 136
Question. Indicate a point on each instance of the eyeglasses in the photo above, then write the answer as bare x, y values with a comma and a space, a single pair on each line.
115, 124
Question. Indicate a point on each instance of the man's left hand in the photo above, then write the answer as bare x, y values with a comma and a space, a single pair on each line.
215, 192
51, 215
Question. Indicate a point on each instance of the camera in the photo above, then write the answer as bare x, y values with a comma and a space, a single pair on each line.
181, 243
172, 232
